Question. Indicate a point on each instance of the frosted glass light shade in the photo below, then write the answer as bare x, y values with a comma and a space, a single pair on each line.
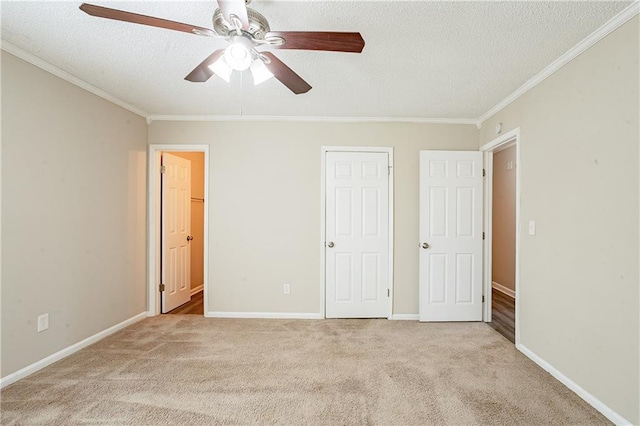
238, 56
221, 69
259, 72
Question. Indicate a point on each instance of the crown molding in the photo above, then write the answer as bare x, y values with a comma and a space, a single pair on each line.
614, 23
41, 63
312, 119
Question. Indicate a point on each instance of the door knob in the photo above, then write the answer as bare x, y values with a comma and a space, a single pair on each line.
189, 238
425, 245
330, 244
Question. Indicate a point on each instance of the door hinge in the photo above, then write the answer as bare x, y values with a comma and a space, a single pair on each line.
161, 288
388, 292
163, 169
389, 171
483, 235
483, 298
484, 172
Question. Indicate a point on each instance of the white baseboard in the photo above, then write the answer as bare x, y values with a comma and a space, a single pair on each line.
405, 317
503, 289
39, 365
197, 289
267, 315
590, 399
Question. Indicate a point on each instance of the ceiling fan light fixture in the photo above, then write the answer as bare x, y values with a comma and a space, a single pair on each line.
222, 69
246, 30
259, 72
238, 56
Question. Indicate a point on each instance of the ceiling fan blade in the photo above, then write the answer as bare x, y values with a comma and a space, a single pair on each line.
235, 7
121, 15
318, 40
202, 72
286, 75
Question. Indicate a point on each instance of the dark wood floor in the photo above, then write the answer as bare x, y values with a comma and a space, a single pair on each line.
194, 307
503, 314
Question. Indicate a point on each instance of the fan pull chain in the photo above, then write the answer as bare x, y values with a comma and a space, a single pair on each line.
241, 91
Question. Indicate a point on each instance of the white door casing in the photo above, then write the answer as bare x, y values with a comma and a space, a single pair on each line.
450, 236
357, 235
176, 229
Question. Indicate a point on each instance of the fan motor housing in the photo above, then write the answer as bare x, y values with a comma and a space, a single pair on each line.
258, 24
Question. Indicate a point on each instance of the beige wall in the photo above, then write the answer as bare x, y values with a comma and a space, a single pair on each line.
197, 215
265, 204
503, 243
579, 283
73, 213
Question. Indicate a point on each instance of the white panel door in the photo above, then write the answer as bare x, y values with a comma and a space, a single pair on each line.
176, 229
357, 235
450, 236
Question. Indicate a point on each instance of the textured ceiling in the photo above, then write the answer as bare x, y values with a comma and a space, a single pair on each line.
422, 59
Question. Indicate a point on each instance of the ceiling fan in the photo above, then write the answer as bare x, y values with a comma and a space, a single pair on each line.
246, 30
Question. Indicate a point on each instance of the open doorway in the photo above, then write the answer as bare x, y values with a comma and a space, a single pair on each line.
503, 246
178, 231
502, 218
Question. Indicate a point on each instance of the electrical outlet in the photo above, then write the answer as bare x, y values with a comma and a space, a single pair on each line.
43, 322
286, 288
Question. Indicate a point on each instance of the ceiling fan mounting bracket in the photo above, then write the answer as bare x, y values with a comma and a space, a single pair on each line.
258, 25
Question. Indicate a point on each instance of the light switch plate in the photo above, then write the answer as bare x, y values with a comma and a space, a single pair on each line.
532, 227
43, 322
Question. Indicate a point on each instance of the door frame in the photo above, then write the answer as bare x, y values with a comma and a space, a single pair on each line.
509, 139
323, 217
153, 220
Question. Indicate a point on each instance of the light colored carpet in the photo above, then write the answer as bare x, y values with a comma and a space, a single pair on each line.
190, 370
